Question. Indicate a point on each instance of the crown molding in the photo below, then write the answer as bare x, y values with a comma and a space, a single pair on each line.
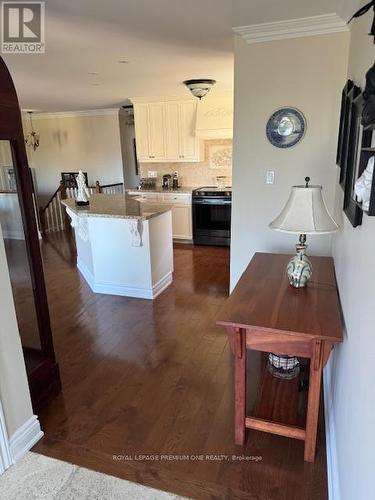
72, 114
292, 28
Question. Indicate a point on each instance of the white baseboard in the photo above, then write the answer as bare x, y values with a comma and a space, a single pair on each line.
331, 448
110, 288
161, 285
24, 438
5, 457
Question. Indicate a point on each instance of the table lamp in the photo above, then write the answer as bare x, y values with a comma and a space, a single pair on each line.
304, 213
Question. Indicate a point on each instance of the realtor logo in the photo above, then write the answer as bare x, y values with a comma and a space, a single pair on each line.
23, 27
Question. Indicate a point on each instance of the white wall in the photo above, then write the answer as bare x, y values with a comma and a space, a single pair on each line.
14, 389
306, 73
90, 142
352, 396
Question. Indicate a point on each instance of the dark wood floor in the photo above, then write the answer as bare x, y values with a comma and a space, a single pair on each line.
155, 378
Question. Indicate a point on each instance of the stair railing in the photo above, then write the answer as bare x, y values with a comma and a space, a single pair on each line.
53, 216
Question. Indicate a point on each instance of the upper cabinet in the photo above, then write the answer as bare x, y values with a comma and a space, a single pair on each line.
165, 131
149, 131
156, 135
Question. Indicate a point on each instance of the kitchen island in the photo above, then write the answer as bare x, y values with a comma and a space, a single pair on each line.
124, 247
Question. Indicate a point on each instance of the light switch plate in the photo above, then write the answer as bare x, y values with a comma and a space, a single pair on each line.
152, 173
270, 177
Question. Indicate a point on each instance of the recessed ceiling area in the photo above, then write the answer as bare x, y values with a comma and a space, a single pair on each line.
100, 53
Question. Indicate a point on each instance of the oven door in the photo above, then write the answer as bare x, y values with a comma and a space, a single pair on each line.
211, 221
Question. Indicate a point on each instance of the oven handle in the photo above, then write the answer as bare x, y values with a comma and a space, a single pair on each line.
212, 202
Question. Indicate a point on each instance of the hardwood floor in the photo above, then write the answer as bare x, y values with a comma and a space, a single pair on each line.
154, 378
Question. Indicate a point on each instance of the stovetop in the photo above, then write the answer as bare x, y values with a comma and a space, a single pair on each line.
213, 191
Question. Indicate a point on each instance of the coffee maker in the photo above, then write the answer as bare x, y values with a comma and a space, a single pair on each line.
166, 181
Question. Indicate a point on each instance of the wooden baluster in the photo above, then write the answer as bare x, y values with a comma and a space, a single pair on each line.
61, 215
55, 214
42, 217
64, 195
48, 220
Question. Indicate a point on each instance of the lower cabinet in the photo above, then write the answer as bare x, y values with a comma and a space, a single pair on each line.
181, 210
181, 222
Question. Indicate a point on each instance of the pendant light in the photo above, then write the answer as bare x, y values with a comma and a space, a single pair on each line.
32, 138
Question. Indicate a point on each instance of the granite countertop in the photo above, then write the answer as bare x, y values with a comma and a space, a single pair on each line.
116, 206
159, 189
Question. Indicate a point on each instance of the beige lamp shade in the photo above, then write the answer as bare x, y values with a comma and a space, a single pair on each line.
305, 213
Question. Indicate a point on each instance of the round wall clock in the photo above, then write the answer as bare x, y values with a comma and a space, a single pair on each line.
286, 127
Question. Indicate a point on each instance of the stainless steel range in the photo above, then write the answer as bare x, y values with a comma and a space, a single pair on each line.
212, 215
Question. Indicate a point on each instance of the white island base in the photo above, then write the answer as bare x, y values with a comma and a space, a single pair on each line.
124, 256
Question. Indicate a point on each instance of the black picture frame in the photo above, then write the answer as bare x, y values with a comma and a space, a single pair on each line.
343, 125
352, 95
367, 150
355, 138
70, 179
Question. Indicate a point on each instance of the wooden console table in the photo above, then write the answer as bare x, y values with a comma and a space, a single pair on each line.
265, 313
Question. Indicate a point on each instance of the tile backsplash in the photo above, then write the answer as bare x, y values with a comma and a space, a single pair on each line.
216, 161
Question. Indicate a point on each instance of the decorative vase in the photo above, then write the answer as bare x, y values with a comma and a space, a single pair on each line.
299, 268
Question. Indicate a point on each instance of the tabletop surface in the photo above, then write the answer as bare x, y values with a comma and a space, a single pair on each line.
263, 298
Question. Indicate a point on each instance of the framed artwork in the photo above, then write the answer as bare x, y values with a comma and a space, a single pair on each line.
69, 179
347, 136
355, 138
220, 156
344, 121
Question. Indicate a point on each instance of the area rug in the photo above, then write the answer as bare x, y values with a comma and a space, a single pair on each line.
38, 477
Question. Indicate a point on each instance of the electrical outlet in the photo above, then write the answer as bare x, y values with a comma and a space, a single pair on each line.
152, 173
270, 177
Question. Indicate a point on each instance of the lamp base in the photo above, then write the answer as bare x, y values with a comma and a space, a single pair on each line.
284, 367
299, 268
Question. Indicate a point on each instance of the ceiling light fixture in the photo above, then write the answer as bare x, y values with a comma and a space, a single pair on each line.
123, 61
199, 87
32, 138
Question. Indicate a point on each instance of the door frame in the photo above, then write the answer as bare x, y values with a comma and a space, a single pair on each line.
5, 456
43, 376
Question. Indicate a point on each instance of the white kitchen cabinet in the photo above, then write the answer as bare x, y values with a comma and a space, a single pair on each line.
172, 136
165, 131
156, 117
149, 131
182, 222
142, 132
181, 210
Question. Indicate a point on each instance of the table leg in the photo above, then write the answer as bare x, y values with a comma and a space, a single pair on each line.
239, 335
316, 366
